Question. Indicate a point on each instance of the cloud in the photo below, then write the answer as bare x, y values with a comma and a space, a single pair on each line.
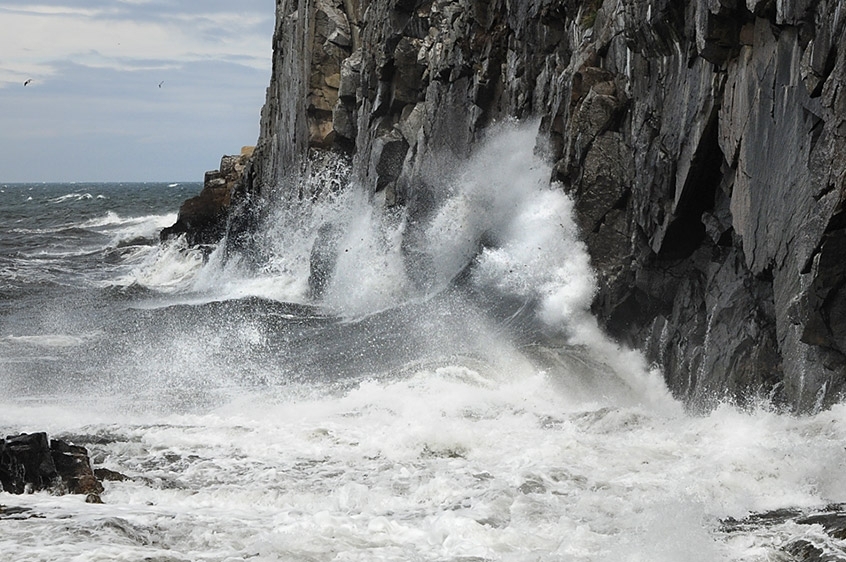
95, 111
115, 34
91, 124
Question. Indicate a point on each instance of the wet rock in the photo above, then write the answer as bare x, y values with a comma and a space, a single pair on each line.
715, 259
440, 452
29, 463
74, 468
832, 519
532, 486
389, 154
107, 475
93, 498
202, 219
324, 254
11, 472
17, 513
343, 121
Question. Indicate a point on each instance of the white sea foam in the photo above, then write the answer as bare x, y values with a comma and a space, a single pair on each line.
57, 254
497, 212
72, 197
478, 446
124, 228
49, 340
112, 219
170, 267
369, 273
501, 197
447, 464
137, 228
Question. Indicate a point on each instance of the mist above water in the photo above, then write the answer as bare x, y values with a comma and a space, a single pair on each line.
492, 271
447, 396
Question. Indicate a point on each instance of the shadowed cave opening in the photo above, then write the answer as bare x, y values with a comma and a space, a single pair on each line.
686, 229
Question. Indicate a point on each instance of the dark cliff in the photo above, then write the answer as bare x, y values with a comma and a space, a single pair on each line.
703, 142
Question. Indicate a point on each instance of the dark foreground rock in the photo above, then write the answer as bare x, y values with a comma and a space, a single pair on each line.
17, 513
704, 144
824, 547
29, 463
74, 468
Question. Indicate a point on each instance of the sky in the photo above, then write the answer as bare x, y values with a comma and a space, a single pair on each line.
129, 90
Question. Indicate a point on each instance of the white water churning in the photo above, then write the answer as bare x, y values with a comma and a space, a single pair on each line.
447, 398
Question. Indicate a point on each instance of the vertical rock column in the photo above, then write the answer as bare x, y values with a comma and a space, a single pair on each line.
703, 145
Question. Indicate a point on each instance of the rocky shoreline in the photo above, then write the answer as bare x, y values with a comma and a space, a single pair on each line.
820, 546
704, 144
31, 463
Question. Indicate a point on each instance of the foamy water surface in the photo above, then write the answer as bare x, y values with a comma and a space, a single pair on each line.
444, 465
447, 397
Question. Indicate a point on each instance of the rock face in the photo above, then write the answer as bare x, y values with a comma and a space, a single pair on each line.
29, 462
203, 218
703, 142
715, 249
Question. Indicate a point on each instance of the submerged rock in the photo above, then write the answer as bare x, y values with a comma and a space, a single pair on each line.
106, 475
17, 513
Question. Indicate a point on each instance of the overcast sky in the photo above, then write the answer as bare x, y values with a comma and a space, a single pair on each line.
94, 110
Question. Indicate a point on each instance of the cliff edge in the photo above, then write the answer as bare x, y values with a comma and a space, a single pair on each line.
703, 142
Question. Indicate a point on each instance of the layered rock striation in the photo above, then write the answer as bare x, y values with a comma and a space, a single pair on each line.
703, 142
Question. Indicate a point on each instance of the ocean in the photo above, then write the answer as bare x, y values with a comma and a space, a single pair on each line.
447, 398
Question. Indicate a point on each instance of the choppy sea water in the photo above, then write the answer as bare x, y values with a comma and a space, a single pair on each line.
481, 417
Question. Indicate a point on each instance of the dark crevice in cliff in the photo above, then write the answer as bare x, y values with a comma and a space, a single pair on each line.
619, 205
827, 69
837, 222
816, 130
826, 327
686, 230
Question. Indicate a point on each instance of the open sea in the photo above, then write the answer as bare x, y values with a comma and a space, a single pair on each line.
444, 400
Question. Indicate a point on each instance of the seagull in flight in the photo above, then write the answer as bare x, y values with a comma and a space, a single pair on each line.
28, 80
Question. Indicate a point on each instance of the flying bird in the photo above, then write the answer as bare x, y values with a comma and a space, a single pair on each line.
28, 80
160, 83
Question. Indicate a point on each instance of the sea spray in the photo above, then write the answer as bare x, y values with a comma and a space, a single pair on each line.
497, 236
442, 465
475, 421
